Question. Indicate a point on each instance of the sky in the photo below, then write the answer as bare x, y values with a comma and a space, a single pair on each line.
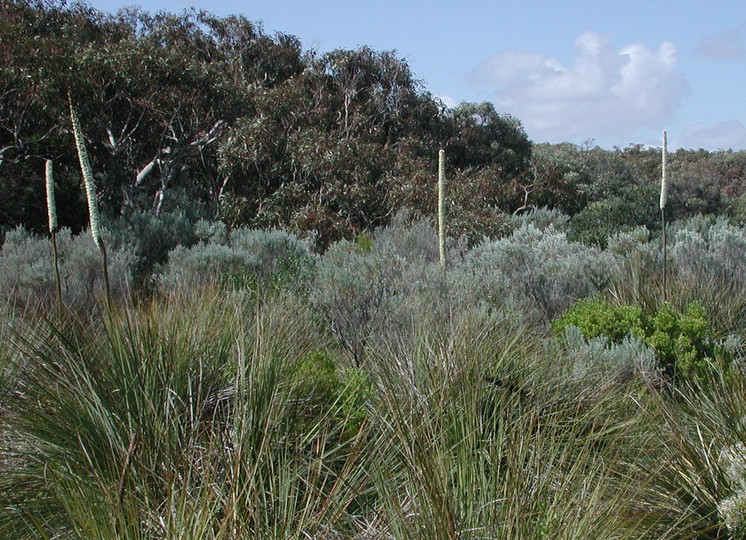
604, 73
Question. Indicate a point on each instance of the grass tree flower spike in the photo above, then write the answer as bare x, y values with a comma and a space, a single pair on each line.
51, 206
90, 189
664, 179
52, 215
85, 166
441, 208
664, 199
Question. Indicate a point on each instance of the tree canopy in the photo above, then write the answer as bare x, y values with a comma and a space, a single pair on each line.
212, 112
213, 117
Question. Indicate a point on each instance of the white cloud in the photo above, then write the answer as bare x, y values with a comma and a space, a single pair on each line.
605, 92
725, 46
721, 136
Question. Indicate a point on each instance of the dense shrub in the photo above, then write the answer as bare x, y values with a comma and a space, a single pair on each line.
357, 291
732, 510
683, 342
540, 272
606, 359
26, 265
603, 218
543, 218
151, 237
243, 258
418, 240
595, 317
707, 248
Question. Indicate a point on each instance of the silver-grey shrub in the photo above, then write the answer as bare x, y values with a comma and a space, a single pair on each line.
244, 256
418, 240
26, 267
539, 272
599, 358
732, 510
542, 218
379, 294
357, 292
704, 248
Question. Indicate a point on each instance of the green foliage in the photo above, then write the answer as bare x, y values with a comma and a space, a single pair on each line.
192, 110
595, 317
601, 219
683, 342
183, 414
151, 237
326, 389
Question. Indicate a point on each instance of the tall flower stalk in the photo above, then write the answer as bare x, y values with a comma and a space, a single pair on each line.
663, 201
90, 189
442, 208
52, 214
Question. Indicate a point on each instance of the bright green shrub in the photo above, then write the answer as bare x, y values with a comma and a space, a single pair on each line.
683, 342
595, 317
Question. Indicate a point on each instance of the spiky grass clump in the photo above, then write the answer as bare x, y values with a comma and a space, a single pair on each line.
478, 441
172, 422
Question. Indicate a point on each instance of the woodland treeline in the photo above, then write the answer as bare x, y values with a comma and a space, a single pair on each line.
213, 118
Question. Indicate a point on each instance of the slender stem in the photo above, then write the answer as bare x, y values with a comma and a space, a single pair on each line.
57, 272
665, 256
663, 201
102, 247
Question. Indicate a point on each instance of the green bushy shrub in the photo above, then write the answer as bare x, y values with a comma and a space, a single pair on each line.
151, 237
595, 317
683, 342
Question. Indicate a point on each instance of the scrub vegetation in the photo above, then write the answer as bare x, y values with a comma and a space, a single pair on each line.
273, 347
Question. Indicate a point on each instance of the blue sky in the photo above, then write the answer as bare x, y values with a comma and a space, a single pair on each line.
614, 72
